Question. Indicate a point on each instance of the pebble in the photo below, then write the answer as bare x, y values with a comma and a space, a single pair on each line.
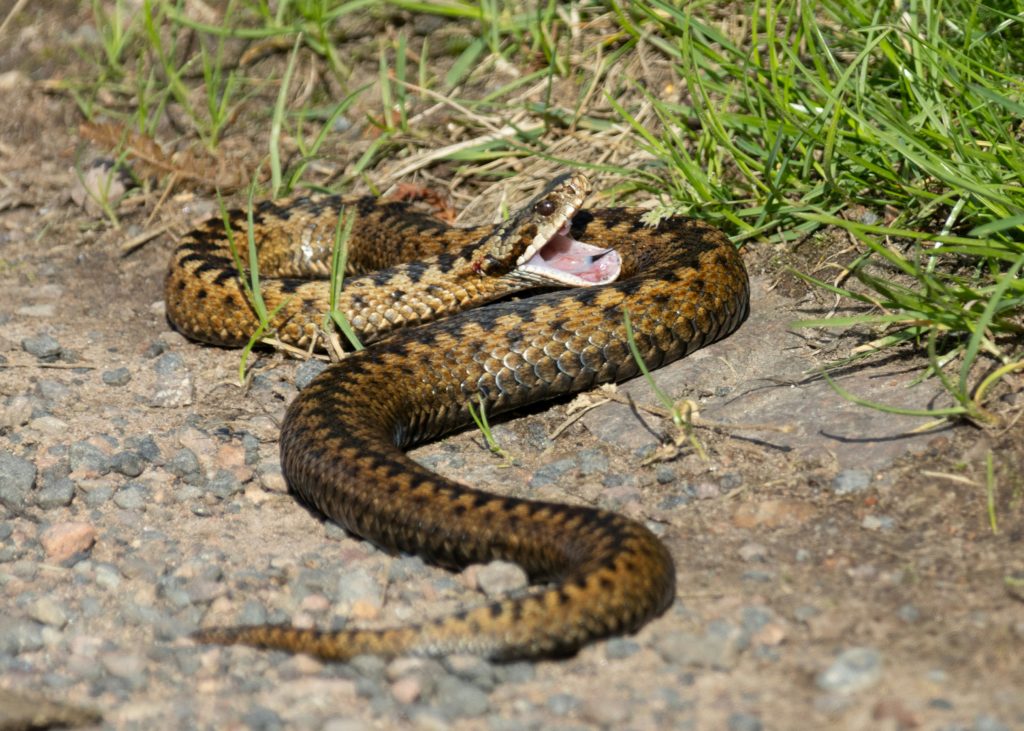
116, 377
52, 391
56, 492
878, 522
185, 464
19, 635
132, 496
362, 592
457, 698
46, 611
173, 385
44, 347
62, 541
592, 462
851, 481
618, 648
128, 463
500, 578
744, 722
562, 704
307, 371
605, 709
985, 722
88, 460
753, 552
550, 473
718, 649
16, 412
854, 669
17, 475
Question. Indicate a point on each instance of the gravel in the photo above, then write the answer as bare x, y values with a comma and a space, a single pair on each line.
17, 475
44, 347
853, 670
851, 481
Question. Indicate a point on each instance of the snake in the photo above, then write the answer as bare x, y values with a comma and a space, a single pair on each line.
499, 316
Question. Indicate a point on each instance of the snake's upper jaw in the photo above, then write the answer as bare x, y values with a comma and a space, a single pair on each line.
564, 261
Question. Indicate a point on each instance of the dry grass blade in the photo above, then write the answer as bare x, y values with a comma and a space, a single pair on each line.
206, 171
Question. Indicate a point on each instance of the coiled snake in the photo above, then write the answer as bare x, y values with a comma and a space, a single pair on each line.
343, 438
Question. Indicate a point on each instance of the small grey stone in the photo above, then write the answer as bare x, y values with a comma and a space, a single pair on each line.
306, 372
592, 462
665, 474
848, 482
19, 635
17, 475
499, 578
718, 649
985, 722
185, 464
128, 463
744, 722
224, 484
107, 576
99, 495
46, 611
878, 522
909, 613
855, 669
456, 698
252, 613
116, 377
261, 718
754, 619
562, 704
618, 648
133, 496
357, 585
145, 446
605, 709
87, 457
753, 552
51, 390
473, 668
157, 347
173, 385
45, 347
126, 666
55, 493
551, 472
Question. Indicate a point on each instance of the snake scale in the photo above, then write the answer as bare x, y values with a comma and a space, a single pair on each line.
594, 573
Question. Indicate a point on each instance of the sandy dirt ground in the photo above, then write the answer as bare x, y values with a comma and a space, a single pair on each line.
836, 569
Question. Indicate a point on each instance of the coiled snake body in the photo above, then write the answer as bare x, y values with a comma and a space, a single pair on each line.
343, 438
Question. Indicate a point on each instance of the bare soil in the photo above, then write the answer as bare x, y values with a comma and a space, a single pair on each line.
813, 527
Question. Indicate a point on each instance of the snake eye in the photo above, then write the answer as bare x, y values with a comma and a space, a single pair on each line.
545, 207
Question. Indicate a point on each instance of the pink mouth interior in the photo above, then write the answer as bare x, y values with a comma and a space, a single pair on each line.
564, 254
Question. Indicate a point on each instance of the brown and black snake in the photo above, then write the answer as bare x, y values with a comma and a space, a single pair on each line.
343, 439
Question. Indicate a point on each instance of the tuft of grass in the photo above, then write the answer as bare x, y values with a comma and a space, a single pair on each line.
250, 284
339, 260
681, 418
480, 419
897, 124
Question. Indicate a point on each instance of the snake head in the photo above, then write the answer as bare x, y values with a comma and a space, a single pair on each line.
535, 244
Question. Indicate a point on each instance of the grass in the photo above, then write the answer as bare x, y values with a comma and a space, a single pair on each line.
895, 124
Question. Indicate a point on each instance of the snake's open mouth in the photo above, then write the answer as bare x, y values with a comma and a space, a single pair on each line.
566, 261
